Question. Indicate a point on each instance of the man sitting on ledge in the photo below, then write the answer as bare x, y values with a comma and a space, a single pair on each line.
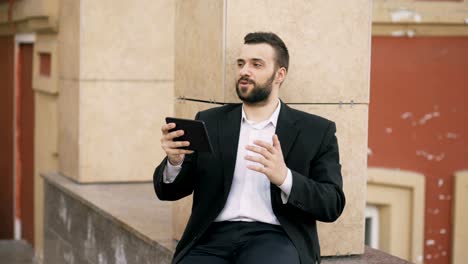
274, 171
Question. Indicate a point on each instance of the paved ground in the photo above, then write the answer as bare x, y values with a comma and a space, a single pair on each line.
16, 252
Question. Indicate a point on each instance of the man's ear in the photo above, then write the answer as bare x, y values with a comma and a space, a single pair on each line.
281, 75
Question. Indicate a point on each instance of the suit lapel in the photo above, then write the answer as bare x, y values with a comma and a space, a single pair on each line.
287, 134
286, 130
229, 129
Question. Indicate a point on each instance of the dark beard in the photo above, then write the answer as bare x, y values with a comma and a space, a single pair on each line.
258, 94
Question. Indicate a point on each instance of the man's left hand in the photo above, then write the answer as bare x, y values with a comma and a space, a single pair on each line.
271, 157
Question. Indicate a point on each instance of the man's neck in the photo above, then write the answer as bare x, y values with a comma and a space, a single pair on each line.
261, 112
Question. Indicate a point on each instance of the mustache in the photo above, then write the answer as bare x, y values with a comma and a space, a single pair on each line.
245, 78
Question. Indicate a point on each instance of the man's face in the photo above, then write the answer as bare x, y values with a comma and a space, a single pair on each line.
256, 73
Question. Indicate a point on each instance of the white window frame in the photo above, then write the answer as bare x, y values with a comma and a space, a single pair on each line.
372, 212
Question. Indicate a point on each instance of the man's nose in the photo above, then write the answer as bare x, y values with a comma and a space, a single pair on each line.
244, 71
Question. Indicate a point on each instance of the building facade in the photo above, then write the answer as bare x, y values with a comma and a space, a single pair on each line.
86, 85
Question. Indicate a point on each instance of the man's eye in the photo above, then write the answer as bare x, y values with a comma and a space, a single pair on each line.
257, 65
240, 64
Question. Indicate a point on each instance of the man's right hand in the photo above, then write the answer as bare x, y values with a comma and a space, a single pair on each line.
175, 155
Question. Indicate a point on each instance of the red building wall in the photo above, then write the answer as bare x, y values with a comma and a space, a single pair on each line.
418, 121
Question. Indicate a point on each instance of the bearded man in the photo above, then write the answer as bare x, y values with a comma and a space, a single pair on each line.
273, 173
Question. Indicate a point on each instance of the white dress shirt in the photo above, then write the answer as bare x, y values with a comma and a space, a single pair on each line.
249, 198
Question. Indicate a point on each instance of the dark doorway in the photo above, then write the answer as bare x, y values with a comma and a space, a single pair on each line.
7, 47
25, 143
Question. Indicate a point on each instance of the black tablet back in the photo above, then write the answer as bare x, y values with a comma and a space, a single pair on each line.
194, 131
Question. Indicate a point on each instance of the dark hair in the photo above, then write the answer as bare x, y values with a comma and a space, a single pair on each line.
282, 54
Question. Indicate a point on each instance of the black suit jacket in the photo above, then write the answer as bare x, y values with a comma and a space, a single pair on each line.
310, 151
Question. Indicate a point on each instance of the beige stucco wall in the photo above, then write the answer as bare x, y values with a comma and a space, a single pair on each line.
22, 9
116, 87
68, 71
29, 16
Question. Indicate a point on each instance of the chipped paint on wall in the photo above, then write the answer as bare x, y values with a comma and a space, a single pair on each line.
433, 211
428, 117
451, 135
90, 242
403, 33
405, 15
399, 33
63, 214
119, 251
424, 119
68, 257
406, 115
429, 156
102, 258
62, 209
440, 182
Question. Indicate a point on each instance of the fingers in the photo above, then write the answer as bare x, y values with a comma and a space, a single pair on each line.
169, 146
257, 169
176, 144
260, 150
178, 151
166, 127
170, 135
264, 144
258, 159
276, 143
174, 134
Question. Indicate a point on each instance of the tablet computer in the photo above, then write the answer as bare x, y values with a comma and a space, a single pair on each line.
194, 131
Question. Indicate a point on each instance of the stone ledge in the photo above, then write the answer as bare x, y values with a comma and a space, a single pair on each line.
137, 211
112, 222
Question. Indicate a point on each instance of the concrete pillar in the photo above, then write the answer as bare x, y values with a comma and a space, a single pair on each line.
45, 150
116, 87
329, 45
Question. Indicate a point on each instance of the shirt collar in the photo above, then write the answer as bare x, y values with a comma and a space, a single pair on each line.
273, 119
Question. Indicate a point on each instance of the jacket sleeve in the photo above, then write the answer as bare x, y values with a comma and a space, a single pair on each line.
183, 184
320, 193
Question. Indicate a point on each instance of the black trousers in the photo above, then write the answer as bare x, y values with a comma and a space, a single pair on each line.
243, 243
